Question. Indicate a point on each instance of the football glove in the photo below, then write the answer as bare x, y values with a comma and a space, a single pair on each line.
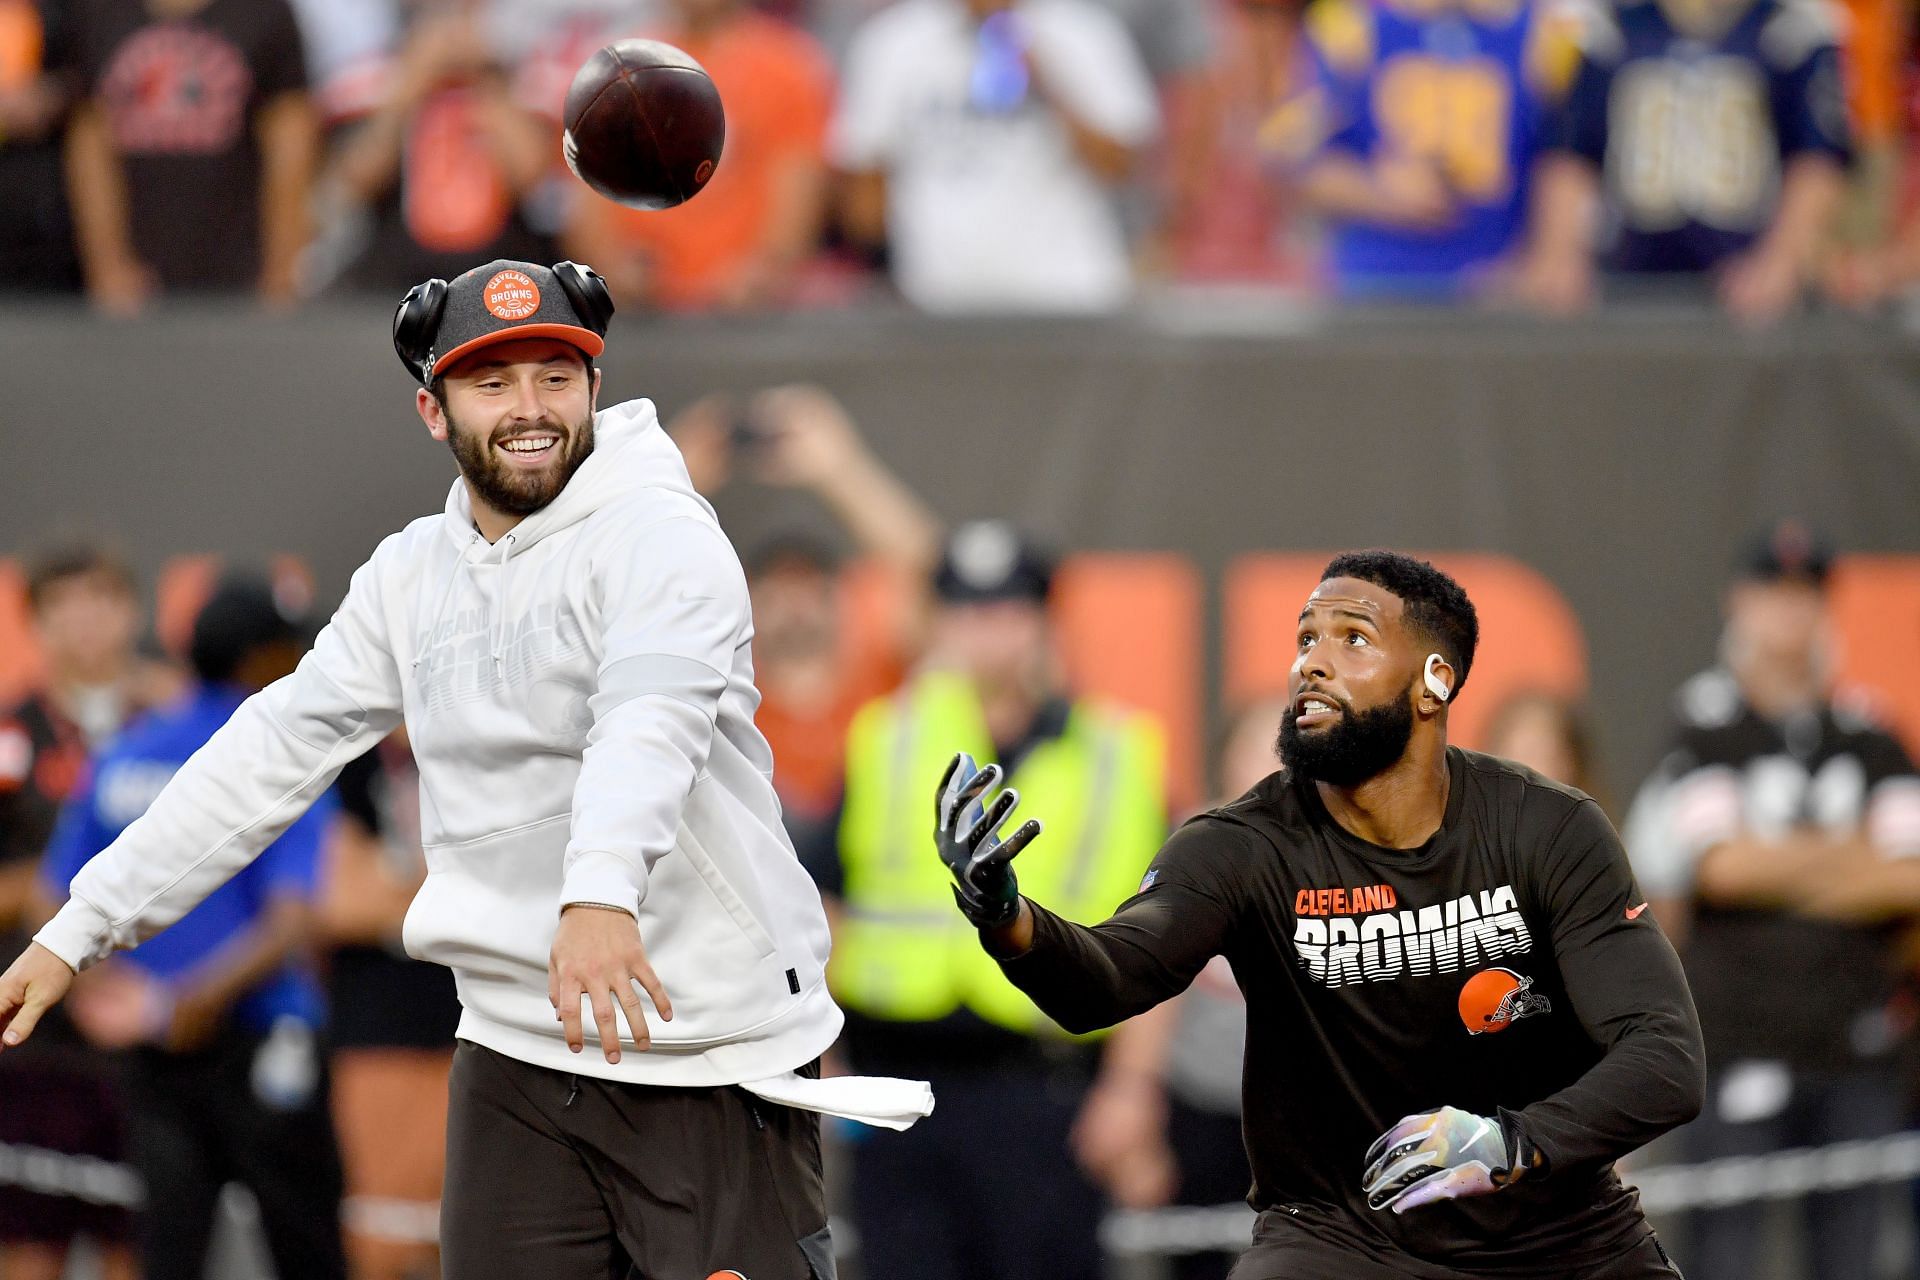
967, 833
1442, 1155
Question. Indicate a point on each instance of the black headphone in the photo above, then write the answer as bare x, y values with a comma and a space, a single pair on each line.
417, 322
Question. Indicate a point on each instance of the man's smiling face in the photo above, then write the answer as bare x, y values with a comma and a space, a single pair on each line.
519, 419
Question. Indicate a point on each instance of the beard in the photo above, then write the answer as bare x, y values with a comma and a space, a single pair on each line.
1359, 746
511, 491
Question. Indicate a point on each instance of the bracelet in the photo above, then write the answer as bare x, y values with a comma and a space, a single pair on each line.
596, 906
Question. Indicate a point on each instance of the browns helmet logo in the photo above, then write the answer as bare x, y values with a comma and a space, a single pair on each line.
1494, 998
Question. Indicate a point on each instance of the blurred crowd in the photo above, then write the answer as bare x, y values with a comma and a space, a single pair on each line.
279, 1037
978, 155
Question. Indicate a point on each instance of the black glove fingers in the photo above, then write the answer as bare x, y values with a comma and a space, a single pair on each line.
1008, 849
979, 784
982, 831
959, 769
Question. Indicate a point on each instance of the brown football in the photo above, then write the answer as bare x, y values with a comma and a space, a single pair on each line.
644, 124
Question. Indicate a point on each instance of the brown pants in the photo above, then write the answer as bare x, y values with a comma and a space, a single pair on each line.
1285, 1249
558, 1177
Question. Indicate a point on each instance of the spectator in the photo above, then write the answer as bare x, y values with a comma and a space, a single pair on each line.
36, 92
1237, 228
60, 1095
981, 140
1550, 735
1788, 829
920, 998
346, 43
1413, 133
759, 218
813, 668
1874, 40
1718, 133
392, 1020
190, 159
1179, 46
225, 1084
442, 151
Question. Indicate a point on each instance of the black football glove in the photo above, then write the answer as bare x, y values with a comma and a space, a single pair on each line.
968, 837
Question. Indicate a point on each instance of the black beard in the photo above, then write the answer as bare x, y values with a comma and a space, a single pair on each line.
1359, 746
517, 493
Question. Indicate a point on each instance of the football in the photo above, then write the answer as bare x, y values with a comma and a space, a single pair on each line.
644, 125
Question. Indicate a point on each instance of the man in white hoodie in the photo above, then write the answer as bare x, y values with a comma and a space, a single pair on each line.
568, 647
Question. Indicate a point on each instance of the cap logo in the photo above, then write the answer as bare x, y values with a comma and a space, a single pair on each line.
985, 553
512, 295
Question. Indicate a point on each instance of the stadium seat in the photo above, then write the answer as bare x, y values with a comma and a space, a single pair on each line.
1529, 637
1876, 613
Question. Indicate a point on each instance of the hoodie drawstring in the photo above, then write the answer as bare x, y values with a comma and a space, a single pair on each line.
500, 609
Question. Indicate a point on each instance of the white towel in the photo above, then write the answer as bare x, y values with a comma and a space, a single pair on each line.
875, 1100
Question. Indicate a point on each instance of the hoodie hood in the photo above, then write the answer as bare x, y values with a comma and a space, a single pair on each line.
631, 452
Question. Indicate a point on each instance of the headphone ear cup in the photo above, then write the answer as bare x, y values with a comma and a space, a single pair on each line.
587, 291
416, 324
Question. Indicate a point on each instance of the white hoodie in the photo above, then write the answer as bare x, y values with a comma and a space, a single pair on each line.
580, 700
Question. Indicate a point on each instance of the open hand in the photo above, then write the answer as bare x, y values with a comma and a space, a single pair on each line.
967, 835
809, 438
597, 954
32, 985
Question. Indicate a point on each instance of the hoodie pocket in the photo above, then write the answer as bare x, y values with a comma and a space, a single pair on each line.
725, 894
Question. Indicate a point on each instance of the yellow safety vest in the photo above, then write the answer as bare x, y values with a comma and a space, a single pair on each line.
904, 952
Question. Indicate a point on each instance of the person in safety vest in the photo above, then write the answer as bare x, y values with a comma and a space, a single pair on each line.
939, 1204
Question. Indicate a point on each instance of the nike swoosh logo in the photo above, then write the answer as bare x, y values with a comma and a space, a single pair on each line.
1633, 913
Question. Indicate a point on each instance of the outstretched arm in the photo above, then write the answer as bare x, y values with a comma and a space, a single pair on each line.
1147, 951
1085, 978
252, 779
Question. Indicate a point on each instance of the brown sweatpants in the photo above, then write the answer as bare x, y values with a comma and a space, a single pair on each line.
552, 1176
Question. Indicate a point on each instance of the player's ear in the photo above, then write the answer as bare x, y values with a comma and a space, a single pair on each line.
1439, 679
593, 392
432, 413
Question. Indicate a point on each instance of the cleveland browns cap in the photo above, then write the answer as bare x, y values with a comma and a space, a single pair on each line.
505, 301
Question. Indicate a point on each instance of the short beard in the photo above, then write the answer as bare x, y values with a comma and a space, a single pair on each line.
510, 492
1359, 746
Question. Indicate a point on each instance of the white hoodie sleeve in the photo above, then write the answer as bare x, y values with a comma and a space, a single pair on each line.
673, 602
280, 750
